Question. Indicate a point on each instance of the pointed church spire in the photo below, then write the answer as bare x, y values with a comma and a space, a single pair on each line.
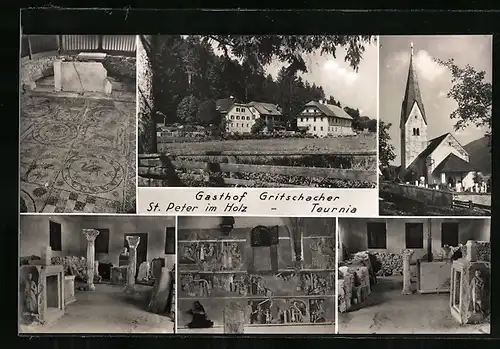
412, 93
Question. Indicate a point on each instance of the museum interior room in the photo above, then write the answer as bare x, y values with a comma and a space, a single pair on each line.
96, 274
256, 275
414, 275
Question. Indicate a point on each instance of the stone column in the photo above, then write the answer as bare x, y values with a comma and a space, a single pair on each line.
90, 234
133, 242
407, 253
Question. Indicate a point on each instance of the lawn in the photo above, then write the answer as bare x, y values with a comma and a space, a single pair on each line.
283, 146
307, 152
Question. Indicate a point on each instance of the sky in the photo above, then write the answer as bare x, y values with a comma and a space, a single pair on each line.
434, 80
338, 79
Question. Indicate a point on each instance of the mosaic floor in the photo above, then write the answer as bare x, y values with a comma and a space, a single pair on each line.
77, 155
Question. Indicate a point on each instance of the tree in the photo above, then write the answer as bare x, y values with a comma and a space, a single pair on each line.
270, 126
473, 95
207, 113
258, 126
187, 110
146, 108
385, 148
260, 50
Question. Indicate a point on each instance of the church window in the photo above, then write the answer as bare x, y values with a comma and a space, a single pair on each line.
418, 132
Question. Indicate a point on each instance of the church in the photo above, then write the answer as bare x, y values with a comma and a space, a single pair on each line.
441, 161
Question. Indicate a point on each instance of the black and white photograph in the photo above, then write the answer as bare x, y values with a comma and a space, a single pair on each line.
96, 274
78, 124
435, 125
261, 111
244, 275
414, 275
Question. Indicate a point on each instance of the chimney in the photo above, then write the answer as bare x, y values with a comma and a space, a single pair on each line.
320, 101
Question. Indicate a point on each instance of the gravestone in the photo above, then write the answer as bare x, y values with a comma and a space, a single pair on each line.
234, 319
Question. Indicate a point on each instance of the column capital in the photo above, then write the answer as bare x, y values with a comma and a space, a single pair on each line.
407, 253
133, 241
90, 234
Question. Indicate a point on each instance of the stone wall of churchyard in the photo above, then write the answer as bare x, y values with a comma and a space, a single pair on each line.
429, 196
476, 198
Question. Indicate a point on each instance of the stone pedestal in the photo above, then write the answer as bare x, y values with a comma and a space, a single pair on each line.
133, 242
90, 234
69, 289
42, 293
407, 289
470, 288
234, 319
75, 76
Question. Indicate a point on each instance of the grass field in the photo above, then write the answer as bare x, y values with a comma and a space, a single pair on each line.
366, 142
332, 153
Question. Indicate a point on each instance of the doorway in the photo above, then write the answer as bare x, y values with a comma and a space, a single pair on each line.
142, 249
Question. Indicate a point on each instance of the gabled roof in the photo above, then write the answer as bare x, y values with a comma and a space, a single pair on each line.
223, 105
266, 108
433, 144
330, 110
454, 164
412, 94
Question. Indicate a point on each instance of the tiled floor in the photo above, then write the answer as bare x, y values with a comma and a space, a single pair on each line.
77, 155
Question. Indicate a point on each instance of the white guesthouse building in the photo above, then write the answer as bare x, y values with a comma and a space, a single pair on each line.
323, 120
241, 117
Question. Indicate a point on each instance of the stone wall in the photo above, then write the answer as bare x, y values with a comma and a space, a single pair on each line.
120, 67
476, 198
32, 70
429, 196
214, 266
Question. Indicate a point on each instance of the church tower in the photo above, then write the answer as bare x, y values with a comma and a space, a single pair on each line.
413, 124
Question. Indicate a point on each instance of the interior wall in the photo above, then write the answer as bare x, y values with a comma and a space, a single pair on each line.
353, 234
204, 234
119, 226
35, 235
239, 222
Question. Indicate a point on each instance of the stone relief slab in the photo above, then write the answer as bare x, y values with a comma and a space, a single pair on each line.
211, 256
212, 234
319, 253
